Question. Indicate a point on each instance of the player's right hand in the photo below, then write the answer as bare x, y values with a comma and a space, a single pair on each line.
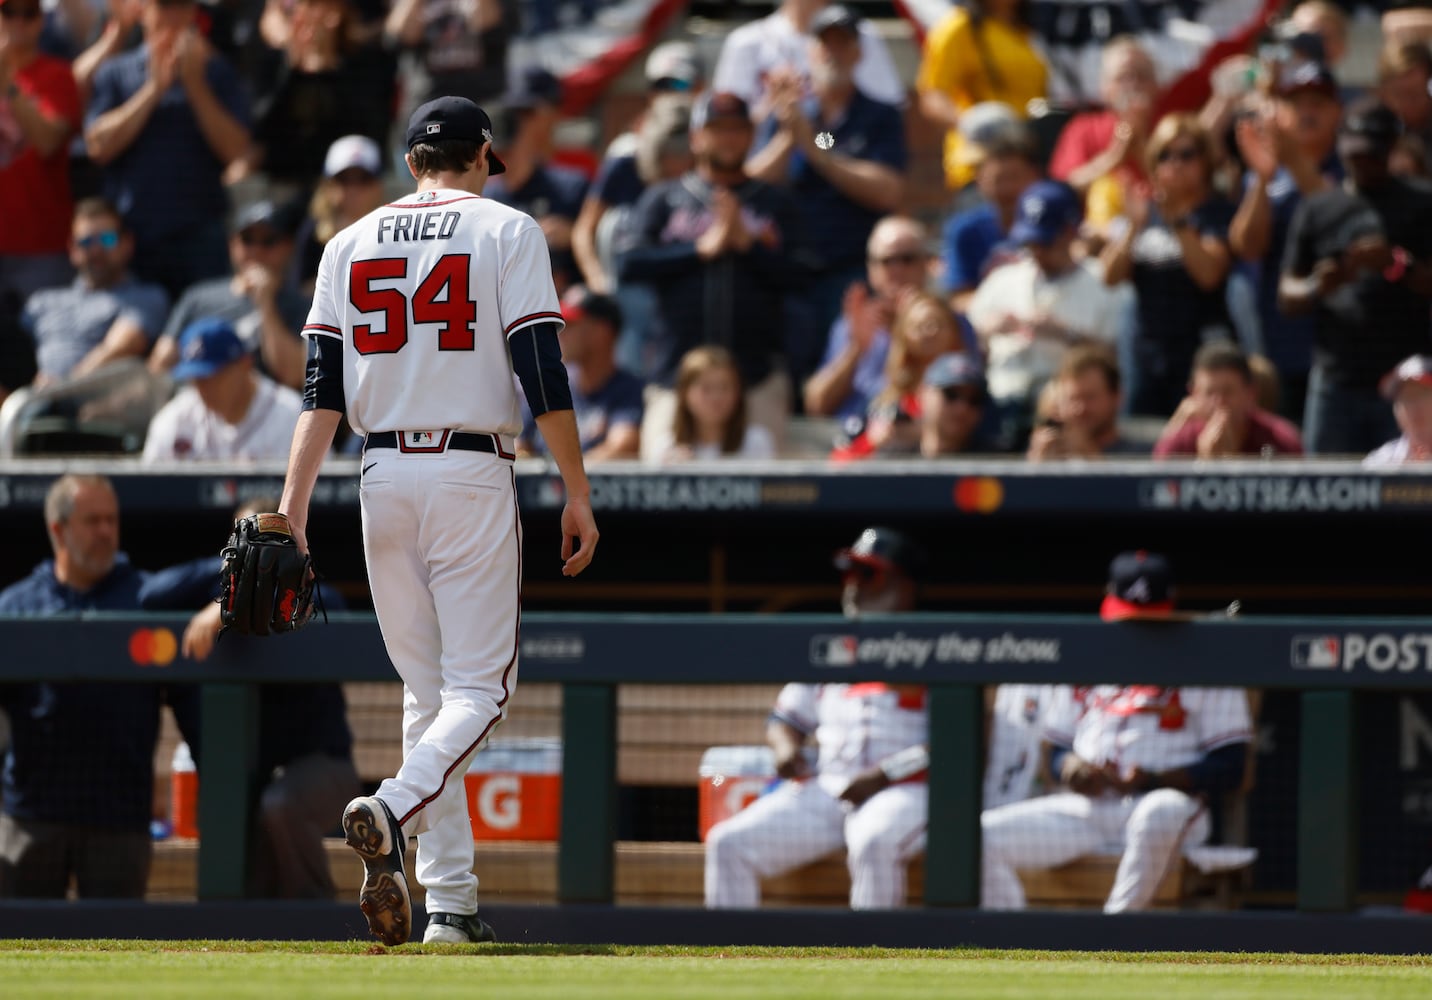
1084, 777
578, 525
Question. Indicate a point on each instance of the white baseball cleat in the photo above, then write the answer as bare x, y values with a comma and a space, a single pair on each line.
457, 928
373, 832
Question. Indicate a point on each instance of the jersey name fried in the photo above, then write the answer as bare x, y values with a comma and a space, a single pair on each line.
412, 226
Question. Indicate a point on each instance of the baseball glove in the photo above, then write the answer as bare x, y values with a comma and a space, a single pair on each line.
267, 584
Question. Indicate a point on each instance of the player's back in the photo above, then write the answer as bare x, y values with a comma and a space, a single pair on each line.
421, 292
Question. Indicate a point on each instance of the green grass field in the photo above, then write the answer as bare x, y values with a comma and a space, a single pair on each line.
153, 970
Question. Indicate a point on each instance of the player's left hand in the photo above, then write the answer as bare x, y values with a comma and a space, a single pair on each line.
864, 785
578, 524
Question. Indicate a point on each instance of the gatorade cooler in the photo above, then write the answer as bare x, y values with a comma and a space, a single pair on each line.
514, 790
731, 779
183, 794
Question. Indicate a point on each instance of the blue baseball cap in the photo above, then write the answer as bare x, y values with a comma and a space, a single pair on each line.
955, 368
207, 346
1046, 209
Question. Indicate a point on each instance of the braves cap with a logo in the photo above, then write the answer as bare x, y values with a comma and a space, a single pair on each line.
207, 346
453, 118
1140, 586
1417, 368
880, 548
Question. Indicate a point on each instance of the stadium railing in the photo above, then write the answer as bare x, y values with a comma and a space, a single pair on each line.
1327, 660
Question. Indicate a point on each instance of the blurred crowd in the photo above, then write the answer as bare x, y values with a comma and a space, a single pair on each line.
1244, 272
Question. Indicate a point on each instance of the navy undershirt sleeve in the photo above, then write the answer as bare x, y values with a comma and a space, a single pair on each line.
537, 360
323, 379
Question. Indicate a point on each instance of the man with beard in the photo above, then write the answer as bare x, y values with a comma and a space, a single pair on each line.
78, 786
865, 790
104, 314
719, 249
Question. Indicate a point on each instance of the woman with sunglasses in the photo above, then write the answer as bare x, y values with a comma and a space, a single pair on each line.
352, 186
1173, 246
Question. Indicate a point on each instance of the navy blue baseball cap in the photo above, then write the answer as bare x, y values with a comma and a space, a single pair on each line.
453, 118
1046, 210
719, 104
534, 86
1140, 586
954, 369
207, 346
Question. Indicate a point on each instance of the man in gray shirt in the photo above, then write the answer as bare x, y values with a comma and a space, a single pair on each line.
266, 313
105, 314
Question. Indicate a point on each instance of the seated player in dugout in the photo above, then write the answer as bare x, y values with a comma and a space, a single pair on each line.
864, 790
1139, 767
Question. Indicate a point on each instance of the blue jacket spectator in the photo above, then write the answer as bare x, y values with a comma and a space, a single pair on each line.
842, 156
78, 784
172, 108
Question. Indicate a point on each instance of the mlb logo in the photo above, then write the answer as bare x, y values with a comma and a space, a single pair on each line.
833, 650
434, 128
1161, 494
1317, 652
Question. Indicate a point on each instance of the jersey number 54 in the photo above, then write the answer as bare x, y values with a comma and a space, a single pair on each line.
455, 311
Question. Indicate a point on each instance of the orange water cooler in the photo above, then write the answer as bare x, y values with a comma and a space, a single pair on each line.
731, 779
514, 790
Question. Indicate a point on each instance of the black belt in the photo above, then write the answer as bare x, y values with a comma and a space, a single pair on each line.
432, 443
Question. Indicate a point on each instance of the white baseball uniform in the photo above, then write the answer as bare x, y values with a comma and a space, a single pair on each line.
185, 429
1146, 727
1016, 732
856, 726
423, 295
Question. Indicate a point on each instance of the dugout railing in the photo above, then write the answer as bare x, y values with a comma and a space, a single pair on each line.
1328, 660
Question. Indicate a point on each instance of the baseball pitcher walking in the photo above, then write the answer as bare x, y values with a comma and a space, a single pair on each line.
422, 312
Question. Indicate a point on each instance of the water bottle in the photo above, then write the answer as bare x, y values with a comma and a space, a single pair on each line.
184, 793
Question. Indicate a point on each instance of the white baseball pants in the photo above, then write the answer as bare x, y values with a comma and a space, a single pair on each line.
801, 822
1053, 830
443, 544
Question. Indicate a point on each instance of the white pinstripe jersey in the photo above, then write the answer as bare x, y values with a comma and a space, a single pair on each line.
424, 294
1154, 728
856, 726
1016, 730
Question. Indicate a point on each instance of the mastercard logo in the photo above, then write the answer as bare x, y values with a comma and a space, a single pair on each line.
153, 647
979, 494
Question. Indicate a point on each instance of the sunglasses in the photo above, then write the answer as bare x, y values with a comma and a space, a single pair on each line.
109, 239
1183, 154
905, 259
11, 13
355, 177
959, 394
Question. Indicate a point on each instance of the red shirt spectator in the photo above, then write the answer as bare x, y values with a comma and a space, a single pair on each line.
39, 111
1220, 418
